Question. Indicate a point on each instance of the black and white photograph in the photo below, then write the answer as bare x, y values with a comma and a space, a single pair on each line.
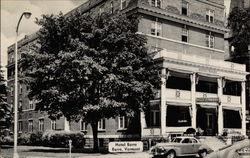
125, 78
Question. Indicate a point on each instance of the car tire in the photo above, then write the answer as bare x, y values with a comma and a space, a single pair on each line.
203, 153
171, 154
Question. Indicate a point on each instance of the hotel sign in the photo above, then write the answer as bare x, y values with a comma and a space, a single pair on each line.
126, 147
207, 99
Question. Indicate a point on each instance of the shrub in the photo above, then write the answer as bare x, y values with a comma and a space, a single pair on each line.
24, 139
7, 140
61, 139
36, 138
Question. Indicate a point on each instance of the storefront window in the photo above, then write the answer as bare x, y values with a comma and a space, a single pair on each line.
178, 116
232, 118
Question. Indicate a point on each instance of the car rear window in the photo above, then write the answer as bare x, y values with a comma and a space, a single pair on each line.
177, 140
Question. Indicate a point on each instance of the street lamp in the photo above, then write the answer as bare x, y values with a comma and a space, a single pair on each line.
27, 16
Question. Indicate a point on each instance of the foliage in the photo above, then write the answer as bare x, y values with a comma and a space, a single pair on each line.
90, 67
7, 140
239, 23
36, 138
61, 139
5, 110
24, 139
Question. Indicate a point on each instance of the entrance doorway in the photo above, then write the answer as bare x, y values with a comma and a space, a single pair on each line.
207, 120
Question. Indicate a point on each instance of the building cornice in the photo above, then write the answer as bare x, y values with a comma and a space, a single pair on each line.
157, 12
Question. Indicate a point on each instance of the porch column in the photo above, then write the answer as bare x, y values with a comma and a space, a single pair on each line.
163, 107
220, 110
66, 125
243, 103
143, 123
193, 102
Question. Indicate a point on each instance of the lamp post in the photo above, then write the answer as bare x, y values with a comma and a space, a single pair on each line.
26, 15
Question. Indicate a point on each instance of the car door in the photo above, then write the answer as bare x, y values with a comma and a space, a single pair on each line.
187, 147
195, 146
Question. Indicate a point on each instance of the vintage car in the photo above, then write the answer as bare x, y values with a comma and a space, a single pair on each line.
239, 149
180, 146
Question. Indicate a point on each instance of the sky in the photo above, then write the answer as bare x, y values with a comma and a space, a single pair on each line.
11, 10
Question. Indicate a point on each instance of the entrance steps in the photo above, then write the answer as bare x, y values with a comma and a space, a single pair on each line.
213, 142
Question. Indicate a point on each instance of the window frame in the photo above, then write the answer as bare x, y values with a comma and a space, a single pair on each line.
184, 5
53, 124
155, 3
153, 115
30, 126
41, 124
210, 38
185, 33
210, 14
101, 125
156, 28
123, 4
83, 125
20, 126
122, 122
111, 7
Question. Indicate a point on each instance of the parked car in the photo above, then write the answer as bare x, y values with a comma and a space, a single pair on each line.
239, 149
180, 146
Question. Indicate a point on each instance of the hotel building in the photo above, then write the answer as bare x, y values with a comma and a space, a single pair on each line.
199, 89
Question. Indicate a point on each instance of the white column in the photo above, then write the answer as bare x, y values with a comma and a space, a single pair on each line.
66, 125
193, 102
243, 103
143, 122
220, 110
163, 101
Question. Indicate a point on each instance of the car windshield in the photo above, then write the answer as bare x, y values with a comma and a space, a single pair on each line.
177, 140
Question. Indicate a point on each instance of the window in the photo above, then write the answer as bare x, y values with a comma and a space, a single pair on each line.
31, 104
155, 118
232, 118
210, 40
178, 116
53, 124
186, 140
30, 126
156, 3
11, 91
20, 126
112, 7
20, 106
156, 28
101, 124
83, 126
123, 4
41, 125
21, 89
122, 122
184, 8
210, 15
184, 36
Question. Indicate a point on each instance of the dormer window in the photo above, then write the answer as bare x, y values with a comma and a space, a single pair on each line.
210, 15
156, 3
184, 9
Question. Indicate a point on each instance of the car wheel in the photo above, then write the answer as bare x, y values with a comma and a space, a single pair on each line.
203, 153
171, 154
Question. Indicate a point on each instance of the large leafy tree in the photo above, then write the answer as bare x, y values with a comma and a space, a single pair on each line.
239, 23
90, 67
5, 109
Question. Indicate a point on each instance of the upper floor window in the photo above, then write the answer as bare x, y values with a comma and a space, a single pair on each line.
156, 28
156, 3
11, 91
53, 124
184, 8
184, 36
20, 126
83, 126
41, 124
210, 40
101, 124
30, 126
155, 118
210, 15
31, 104
122, 122
21, 89
112, 7
123, 4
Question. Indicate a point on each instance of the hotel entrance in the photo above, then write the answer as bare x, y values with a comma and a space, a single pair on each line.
207, 120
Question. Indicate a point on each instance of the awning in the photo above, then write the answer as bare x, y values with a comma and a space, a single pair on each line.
207, 75
179, 71
178, 104
234, 79
207, 106
231, 108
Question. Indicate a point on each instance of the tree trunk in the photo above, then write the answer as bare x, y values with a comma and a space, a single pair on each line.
94, 130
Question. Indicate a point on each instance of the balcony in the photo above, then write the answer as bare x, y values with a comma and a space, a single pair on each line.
151, 131
231, 100
176, 94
